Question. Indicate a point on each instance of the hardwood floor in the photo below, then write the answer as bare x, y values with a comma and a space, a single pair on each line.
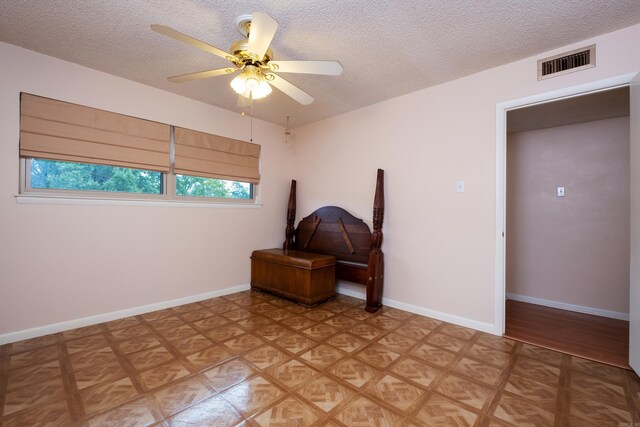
253, 360
595, 338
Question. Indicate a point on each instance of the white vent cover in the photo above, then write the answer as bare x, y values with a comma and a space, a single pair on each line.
567, 62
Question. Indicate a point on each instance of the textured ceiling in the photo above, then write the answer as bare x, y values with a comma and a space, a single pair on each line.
387, 48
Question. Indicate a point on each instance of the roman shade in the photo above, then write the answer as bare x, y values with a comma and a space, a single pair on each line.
212, 156
58, 130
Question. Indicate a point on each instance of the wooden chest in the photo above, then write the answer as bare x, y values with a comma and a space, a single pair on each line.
304, 277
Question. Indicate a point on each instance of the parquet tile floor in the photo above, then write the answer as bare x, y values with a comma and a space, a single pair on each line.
250, 359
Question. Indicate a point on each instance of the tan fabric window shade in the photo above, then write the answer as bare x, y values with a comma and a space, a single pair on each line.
203, 154
57, 130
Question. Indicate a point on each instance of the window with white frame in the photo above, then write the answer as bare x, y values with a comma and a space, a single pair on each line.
71, 176
68, 149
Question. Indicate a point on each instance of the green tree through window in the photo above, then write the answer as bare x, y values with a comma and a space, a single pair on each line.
187, 185
81, 176
52, 174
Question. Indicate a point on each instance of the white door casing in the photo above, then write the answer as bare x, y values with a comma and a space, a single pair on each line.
634, 276
501, 151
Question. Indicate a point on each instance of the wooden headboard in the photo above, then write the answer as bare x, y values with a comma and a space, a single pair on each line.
334, 231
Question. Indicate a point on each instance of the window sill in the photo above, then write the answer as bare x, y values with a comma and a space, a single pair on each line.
47, 199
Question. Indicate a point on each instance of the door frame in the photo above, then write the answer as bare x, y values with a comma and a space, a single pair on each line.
501, 173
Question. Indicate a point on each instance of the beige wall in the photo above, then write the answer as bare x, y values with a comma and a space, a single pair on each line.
60, 263
572, 249
439, 244
65, 262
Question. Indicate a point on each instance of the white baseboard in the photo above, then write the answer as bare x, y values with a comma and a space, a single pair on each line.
106, 317
457, 320
569, 307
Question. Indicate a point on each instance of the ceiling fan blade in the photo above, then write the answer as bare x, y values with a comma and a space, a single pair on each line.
263, 28
289, 89
329, 68
201, 75
177, 35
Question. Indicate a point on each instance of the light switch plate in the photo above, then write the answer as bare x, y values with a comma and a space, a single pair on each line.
460, 187
560, 191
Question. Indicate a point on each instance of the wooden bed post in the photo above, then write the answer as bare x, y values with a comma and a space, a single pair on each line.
375, 271
291, 218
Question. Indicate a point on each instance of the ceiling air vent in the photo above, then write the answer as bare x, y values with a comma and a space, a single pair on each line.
567, 62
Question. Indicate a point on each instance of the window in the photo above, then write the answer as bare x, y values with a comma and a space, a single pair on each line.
56, 175
85, 177
196, 186
75, 150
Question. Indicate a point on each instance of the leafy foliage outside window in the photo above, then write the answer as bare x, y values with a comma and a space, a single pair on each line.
51, 174
187, 185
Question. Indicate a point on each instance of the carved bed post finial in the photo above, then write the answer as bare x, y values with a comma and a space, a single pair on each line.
375, 268
291, 217
378, 212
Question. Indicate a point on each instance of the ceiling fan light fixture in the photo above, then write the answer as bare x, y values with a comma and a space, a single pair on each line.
251, 83
253, 58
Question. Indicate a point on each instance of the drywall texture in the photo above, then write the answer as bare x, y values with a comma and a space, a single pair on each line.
439, 244
61, 262
572, 249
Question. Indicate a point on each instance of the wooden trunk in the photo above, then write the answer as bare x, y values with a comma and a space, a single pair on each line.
304, 277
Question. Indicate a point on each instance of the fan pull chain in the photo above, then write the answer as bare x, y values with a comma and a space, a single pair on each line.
251, 111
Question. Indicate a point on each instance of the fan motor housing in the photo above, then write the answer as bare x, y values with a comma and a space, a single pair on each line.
239, 49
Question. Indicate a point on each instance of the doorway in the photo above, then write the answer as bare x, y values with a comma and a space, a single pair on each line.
567, 222
501, 203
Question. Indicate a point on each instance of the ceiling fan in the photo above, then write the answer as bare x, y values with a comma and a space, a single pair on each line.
254, 59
